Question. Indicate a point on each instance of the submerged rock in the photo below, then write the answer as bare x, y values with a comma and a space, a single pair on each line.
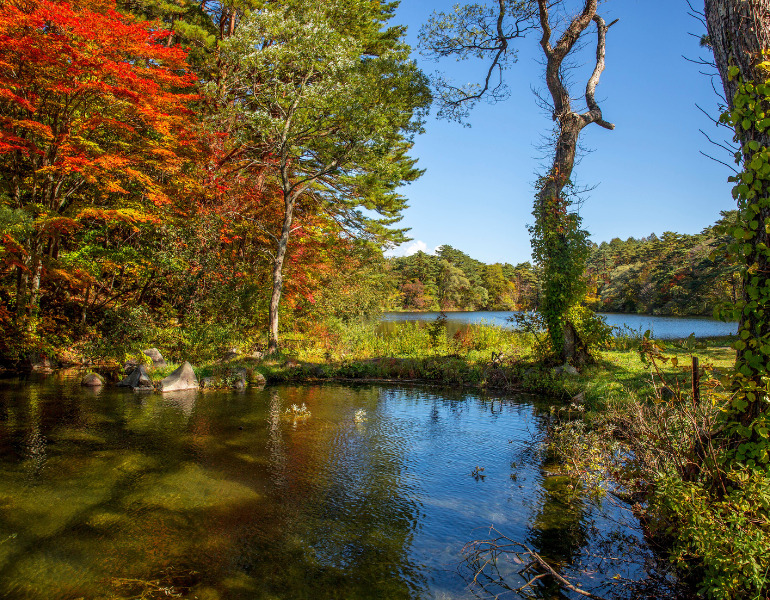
138, 379
181, 379
92, 380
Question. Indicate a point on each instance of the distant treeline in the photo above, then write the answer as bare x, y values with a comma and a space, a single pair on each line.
671, 274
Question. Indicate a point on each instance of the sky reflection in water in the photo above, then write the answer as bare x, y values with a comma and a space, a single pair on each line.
225, 495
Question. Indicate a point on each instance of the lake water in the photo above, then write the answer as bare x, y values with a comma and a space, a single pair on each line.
225, 495
661, 327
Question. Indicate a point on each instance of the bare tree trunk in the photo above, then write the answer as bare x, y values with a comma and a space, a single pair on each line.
551, 209
739, 32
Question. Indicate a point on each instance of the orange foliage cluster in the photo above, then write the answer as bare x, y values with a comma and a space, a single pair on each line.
104, 152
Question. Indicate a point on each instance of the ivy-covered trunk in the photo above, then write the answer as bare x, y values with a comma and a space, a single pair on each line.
739, 34
558, 242
559, 245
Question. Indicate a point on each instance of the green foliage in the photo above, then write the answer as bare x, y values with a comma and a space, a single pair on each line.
724, 542
560, 248
673, 274
591, 328
453, 280
747, 418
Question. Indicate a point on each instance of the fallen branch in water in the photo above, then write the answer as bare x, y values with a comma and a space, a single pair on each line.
482, 558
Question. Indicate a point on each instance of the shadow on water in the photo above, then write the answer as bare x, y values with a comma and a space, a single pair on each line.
230, 495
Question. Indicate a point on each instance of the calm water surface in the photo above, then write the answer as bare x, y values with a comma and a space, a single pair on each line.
223, 495
661, 327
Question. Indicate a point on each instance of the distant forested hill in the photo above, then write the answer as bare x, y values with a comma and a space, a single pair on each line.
674, 274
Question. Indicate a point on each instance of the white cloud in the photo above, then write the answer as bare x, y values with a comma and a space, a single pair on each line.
411, 248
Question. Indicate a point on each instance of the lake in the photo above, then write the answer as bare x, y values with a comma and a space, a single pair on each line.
661, 327
226, 495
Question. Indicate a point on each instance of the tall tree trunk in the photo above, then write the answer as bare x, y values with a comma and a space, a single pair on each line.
739, 32
556, 232
280, 257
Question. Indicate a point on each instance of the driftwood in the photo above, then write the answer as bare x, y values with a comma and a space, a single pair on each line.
483, 556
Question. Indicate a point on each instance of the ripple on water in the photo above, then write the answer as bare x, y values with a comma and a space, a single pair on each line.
97, 490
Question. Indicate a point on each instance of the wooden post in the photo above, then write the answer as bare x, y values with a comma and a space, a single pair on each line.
695, 381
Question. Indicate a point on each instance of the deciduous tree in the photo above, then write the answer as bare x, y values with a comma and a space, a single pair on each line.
739, 35
329, 122
92, 126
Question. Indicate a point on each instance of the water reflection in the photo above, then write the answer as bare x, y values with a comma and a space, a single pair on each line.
224, 495
661, 327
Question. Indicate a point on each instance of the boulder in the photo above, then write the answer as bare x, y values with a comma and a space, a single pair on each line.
181, 379
92, 380
40, 363
130, 367
258, 379
566, 368
156, 357
231, 354
240, 378
138, 379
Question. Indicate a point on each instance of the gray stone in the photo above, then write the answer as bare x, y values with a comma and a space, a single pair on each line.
92, 380
580, 398
181, 379
207, 382
40, 363
138, 379
239, 385
156, 357
130, 366
258, 379
566, 368
231, 354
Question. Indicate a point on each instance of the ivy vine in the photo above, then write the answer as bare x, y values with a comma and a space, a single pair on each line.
747, 418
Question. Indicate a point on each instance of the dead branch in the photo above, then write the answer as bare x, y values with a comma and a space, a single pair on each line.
483, 556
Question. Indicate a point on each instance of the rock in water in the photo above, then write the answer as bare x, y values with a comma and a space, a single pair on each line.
92, 380
138, 379
181, 379
156, 357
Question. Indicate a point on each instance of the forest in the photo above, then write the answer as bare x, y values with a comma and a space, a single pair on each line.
226, 181
674, 275
160, 182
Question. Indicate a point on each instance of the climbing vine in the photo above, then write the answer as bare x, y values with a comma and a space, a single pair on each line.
747, 418
559, 246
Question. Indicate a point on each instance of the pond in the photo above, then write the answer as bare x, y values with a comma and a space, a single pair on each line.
226, 495
661, 327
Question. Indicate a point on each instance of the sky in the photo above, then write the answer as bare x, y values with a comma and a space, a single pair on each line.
648, 174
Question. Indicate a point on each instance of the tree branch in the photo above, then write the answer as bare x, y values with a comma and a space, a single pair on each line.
594, 114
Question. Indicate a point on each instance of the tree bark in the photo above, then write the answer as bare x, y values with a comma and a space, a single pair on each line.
739, 32
280, 257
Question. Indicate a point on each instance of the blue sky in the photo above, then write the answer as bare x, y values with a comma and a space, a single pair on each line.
476, 194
